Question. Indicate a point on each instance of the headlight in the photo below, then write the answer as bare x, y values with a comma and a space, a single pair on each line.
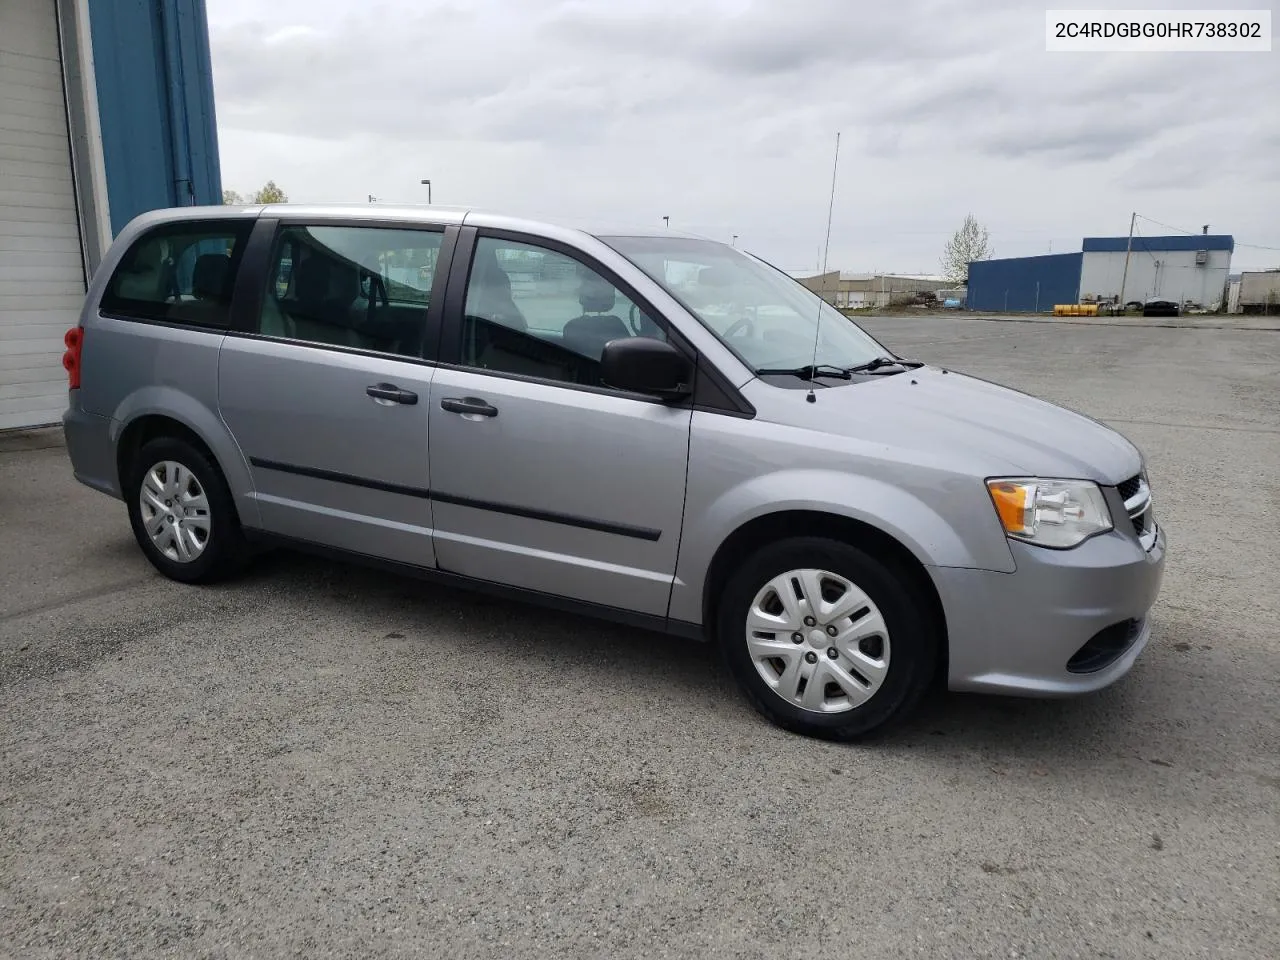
1050, 513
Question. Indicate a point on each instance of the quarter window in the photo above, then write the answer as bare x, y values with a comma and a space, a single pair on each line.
534, 311
362, 287
180, 273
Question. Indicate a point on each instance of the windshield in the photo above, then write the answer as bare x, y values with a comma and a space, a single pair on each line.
761, 314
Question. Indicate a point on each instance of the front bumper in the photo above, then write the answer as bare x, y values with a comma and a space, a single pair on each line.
1014, 633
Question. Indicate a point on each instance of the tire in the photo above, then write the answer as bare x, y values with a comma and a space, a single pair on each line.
886, 643
207, 544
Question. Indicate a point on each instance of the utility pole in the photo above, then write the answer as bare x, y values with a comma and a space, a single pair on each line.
1128, 248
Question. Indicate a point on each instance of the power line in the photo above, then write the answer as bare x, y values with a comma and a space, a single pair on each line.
1166, 225
1146, 249
1193, 233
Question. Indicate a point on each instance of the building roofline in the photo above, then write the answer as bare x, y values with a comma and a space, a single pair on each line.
1181, 243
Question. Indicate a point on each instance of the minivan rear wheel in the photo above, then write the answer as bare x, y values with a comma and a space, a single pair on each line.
182, 513
825, 639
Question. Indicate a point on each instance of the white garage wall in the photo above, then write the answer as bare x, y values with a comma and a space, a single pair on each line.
1172, 274
41, 261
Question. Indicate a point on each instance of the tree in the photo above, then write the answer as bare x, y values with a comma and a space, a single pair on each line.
971, 242
270, 194
231, 198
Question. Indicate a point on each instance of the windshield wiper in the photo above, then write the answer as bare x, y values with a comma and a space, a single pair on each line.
880, 363
813, 371
810, 372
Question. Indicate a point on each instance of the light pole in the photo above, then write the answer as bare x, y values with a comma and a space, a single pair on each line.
735, 240
666, 221
427, 184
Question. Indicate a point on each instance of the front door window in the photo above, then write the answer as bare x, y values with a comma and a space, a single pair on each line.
537, 312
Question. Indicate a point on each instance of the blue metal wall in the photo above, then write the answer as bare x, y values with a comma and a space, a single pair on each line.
155, 101
1024, 284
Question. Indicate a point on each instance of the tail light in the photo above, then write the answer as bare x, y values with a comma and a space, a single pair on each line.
74, 339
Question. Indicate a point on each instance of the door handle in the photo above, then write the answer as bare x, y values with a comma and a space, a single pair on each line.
468, 406
390, 393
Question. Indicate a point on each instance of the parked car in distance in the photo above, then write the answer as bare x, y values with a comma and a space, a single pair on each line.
1160, 307
648, 427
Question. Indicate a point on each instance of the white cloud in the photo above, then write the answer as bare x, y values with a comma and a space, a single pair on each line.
722, 115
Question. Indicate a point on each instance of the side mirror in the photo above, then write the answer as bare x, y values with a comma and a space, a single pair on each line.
644, 365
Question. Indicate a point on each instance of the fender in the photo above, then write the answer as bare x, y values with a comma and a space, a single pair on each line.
170, 402
895, 511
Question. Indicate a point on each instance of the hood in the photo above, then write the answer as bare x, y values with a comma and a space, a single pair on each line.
1007, 431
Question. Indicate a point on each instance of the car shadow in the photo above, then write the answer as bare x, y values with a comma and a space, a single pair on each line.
1004, 729
482, 617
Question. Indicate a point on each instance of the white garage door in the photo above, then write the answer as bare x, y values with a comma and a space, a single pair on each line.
41, 271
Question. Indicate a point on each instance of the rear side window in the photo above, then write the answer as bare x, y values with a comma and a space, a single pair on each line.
361, 287
180, 273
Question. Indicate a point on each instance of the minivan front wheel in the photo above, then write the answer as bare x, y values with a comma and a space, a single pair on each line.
182, 513
825, 639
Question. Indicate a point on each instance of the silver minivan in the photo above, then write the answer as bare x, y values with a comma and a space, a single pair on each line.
649, 427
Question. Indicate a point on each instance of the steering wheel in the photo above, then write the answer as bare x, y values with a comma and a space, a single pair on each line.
742, 327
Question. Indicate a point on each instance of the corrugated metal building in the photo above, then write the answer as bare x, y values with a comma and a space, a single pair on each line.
1185, 269
106, 110
841, 288
1024, 284
1190, 270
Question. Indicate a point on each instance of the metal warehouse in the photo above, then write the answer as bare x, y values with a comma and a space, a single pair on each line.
843, 289
1024, 284
1188, 270
106, 110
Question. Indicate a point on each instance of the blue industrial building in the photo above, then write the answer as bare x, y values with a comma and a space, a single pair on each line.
1024, 284
155, 97
1187, 269
106, 111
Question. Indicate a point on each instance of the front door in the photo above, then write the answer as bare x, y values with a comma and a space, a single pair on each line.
328, 394
542, 478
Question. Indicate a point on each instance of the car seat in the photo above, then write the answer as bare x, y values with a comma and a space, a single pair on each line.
589, 333
320, 311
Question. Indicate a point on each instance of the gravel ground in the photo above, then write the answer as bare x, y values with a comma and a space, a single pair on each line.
322, 761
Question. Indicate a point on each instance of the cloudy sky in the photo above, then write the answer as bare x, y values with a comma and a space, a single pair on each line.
722, 114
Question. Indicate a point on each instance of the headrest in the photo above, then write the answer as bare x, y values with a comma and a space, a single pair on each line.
311, 279
139, 277
489, 274
596, 296
717, 276
320, 280
209, 276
